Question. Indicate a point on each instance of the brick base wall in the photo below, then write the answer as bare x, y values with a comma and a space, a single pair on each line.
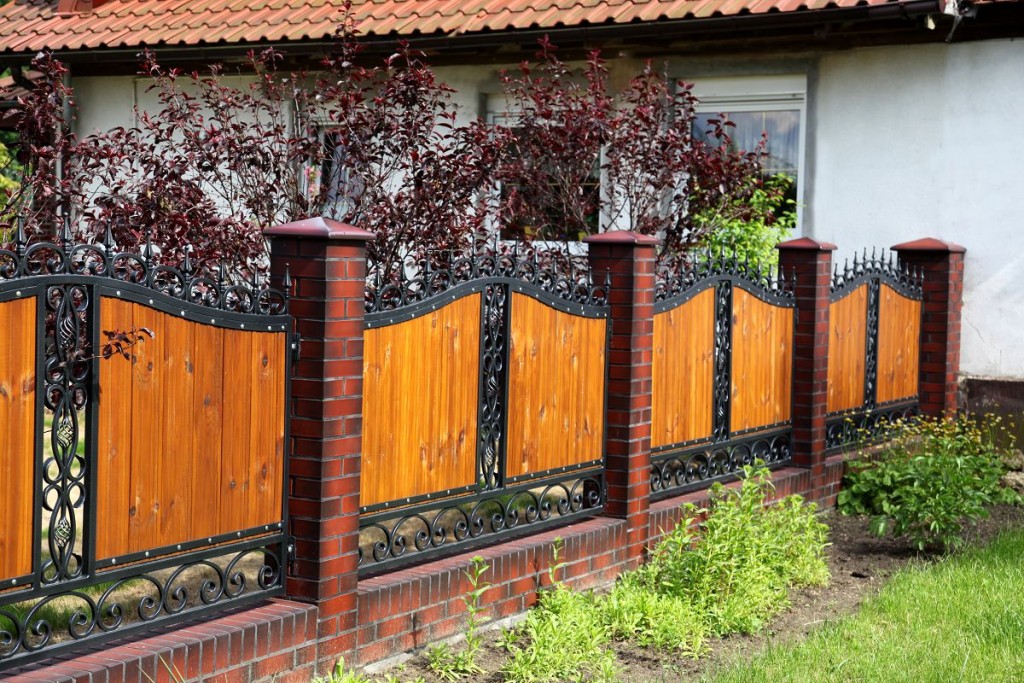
273, 642
405, 610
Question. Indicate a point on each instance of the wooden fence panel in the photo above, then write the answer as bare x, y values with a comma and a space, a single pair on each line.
556, 380
847, 348
179, 441
17, 435
762, 362
683, 370
208, 429
899, 335
236, 445
113, 460
420, 396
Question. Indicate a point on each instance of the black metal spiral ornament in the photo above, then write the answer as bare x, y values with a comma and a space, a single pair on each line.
66, 393
493, 345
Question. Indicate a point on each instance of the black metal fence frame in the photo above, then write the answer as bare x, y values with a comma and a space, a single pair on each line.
415, 529
688, 466
93, 272
869, 420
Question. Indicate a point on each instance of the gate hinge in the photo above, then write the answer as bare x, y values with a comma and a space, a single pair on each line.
296, 346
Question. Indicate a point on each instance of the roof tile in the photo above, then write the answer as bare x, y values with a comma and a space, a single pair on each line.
28, 26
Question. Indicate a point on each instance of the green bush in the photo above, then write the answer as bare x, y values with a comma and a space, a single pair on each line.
737, 574
931, 476
757, 224
731, 576
566, 641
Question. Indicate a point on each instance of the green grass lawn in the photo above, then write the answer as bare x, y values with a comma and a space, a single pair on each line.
961, 619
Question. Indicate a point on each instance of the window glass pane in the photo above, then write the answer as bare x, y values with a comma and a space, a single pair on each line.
782, 127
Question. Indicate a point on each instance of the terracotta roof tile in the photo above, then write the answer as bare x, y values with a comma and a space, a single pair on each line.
28, 26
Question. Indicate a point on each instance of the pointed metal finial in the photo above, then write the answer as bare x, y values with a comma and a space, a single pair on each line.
108, 238
65, 231
20, 239
147, 251
286, 282
186, 268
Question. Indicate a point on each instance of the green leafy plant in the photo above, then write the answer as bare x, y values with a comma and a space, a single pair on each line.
738, 572
445, 662
340, 675
931, 476
731, 576
753, 225
566, 640
563, 637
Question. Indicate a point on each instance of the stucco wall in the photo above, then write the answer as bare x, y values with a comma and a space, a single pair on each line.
914, 141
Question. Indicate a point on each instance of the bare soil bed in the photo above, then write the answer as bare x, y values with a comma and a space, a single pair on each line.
860, 564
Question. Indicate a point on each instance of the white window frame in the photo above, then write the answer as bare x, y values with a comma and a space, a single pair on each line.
736, 94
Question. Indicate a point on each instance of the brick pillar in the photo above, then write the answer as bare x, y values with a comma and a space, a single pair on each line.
629, 258
808, 263
942, 264
327, 263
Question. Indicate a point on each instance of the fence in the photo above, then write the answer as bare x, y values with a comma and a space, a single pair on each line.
874, 347
722, 376
143, 411
485, 402
504, 361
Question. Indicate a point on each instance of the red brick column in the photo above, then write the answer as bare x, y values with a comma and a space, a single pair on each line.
327, 263
808, 263
629, 258
942, 264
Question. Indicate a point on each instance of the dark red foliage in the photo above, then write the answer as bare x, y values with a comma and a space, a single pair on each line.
379, 146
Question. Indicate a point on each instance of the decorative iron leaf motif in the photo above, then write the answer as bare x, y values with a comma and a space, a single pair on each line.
723, 361
871, 346
65, 393
493, 357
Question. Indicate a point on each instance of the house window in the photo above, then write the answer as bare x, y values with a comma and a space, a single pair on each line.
554, 233
773, 105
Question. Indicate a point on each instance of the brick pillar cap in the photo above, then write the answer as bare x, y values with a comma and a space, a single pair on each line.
807, 243
320, 228
930, 244
622, 237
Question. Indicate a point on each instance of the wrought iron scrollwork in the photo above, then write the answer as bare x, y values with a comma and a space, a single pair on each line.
493, 357
876, 266
418, 533
220, 290
871, 346
711, 266
696, 467
723, 362
570, 284
138, 600
865, 428
67, 374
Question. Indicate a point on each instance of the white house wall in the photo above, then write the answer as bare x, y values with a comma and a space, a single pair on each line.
926, 141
